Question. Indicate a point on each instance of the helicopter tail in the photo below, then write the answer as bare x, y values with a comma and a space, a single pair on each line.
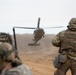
38, 23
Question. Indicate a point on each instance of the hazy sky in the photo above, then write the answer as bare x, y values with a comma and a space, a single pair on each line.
26, 13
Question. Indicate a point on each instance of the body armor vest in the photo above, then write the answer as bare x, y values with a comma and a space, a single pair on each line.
69, 41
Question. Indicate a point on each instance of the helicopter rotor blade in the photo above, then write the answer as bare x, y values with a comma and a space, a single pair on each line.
24, 27
38, 26
54, 27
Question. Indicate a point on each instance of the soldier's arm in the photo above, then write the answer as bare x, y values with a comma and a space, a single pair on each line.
56, 41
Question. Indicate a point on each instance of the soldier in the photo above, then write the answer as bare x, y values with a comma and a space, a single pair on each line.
66, 41
8, 65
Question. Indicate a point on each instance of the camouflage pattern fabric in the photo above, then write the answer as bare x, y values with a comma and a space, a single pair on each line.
56, 41
70, 64
69, 40
66, 41
20, 70
72, 24
5, 37
73, 21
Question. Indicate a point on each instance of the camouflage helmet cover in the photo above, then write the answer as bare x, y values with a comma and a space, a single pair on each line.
72, 24
5, 50
72, 21
5, 37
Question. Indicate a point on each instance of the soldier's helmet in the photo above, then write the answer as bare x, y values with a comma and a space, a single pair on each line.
5, 37
7, 51
72, 24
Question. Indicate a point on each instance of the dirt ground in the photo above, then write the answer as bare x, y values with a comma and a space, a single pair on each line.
39, 64
40, 58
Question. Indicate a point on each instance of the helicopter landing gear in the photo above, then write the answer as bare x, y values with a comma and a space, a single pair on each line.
33, 44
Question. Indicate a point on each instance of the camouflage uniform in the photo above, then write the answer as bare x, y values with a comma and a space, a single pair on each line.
7, 56
66, 41
19, 70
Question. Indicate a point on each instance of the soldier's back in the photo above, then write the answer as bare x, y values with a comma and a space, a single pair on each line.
19, 70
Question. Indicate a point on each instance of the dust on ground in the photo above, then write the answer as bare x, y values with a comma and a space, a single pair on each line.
39, 64
40, 58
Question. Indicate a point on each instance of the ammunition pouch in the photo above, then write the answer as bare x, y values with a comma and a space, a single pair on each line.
60, 59
56, 62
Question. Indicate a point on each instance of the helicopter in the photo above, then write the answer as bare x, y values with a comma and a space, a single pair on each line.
38, 32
